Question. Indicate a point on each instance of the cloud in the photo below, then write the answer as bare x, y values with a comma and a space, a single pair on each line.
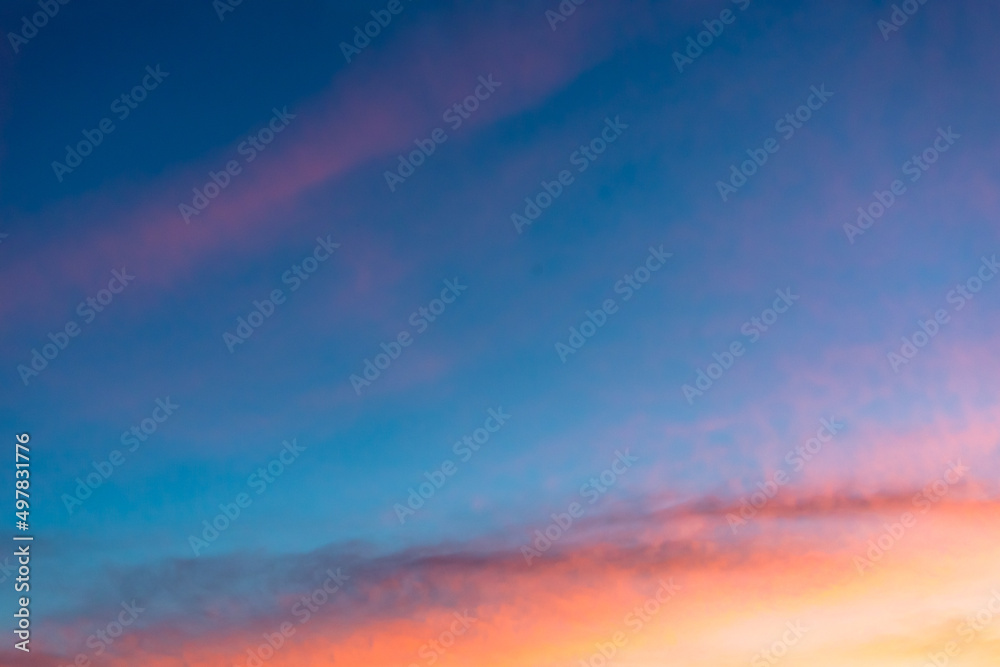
373, 109
799, 554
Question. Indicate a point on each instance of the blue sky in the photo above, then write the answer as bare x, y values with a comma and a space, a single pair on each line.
323, 176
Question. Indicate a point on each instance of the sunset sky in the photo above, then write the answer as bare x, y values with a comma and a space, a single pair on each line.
515, 335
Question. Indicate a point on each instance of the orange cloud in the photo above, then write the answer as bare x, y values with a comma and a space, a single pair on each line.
791, 587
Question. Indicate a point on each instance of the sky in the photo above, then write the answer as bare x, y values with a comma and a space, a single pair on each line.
539, 334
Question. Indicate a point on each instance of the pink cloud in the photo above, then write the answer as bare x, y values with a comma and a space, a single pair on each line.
374, 108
